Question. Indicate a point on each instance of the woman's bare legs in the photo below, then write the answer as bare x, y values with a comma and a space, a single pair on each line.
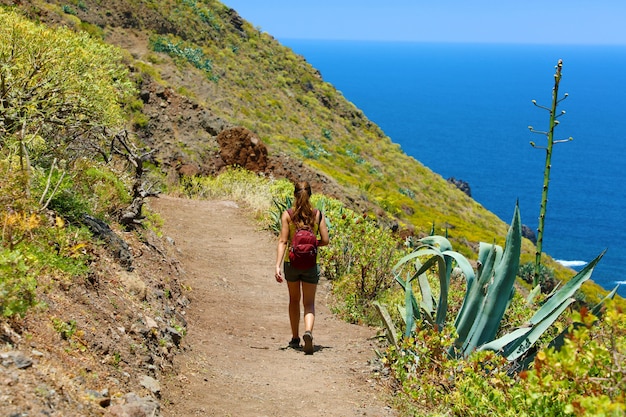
294, 307
307, 292
308, 300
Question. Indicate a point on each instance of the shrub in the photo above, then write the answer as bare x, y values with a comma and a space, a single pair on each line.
47, 71
93, 188
29, 249
359, 260
236, 183
586, 377
547, 280
187, 53
17, 283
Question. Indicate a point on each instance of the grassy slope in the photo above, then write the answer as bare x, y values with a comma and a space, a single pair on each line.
265, 87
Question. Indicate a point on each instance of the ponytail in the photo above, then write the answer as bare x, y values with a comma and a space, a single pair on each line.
302, 209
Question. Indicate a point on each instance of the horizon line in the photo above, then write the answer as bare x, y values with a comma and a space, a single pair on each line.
455, 42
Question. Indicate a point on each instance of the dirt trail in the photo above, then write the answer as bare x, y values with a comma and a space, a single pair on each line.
236, 362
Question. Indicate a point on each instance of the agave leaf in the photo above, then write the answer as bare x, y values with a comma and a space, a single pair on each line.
475, 294
492, 258
533, 294
402, 312
409, 306
416, 309
428, 314
566, 291
444, 282
444, 285
464, 264
521, 345
435, 256
436, 241
468, 272
405, 259
392, 334
428, 302
487, 250
597, 309
549, 312
559, 340
514, 344
493, 304
499, 344
321, 206
411, 325
483, 251
428, 317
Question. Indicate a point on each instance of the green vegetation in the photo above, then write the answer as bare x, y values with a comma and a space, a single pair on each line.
583, 378
358, 262
60, 92
63, 92
497, 357
17, 283
240, 185
266, 87
32, 252
189, 54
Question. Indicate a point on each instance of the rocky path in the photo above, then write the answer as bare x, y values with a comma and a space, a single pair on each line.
236, 362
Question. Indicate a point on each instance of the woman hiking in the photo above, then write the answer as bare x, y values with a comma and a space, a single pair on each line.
300, 265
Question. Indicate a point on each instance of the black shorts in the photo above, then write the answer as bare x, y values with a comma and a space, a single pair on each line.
311, 275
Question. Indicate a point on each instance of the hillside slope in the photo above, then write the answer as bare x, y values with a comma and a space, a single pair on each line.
202, 70
241, 77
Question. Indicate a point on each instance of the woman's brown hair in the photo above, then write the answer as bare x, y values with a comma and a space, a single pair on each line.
302, 215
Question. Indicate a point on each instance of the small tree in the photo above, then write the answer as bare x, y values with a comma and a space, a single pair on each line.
58, 90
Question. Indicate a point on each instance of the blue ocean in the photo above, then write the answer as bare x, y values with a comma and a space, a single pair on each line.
463, 110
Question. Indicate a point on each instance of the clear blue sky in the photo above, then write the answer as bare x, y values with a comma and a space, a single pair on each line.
520, 21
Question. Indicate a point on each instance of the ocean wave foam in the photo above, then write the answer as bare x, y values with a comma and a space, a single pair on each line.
571, 264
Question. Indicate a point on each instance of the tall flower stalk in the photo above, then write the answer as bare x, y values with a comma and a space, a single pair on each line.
546, 173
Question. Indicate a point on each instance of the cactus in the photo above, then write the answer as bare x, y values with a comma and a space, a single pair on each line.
546, 173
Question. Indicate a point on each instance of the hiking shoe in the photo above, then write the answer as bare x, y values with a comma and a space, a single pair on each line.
295, 343
308, 343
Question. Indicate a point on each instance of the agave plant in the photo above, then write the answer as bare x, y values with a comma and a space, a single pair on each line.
277, 211
488, 293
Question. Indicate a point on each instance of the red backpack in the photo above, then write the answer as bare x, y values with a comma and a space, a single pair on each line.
303, 251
